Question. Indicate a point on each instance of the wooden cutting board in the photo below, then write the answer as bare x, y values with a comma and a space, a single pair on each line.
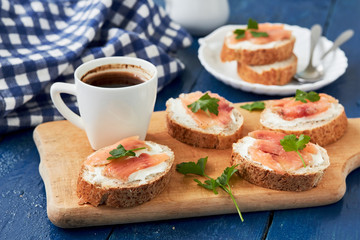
63, 147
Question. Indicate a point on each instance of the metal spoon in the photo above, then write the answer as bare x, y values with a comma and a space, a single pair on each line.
342, 38
310, 71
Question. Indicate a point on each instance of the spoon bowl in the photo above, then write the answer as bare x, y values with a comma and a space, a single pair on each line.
311, 75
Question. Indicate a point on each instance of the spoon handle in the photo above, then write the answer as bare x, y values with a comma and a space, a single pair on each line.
316, 32
342, 38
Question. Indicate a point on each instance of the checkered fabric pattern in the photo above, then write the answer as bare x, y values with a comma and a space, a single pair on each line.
42, 42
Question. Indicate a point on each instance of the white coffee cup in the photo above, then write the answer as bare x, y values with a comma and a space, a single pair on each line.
110, 114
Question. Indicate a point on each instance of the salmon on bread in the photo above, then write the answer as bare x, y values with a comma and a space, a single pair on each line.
203, 128
277, 73
324, 120
262, 160
250, 50
125, 180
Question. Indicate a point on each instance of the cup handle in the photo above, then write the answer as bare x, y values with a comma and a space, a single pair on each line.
68, 88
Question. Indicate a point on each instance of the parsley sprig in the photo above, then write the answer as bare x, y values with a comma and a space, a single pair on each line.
302, 96
252, 24
240, 33
292, 143
120, 151
254, 106
205, 103
211, 183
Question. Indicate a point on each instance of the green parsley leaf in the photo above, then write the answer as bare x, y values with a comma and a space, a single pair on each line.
302, 141
192, 168
120, 151
223, 182
252, 24
224, 179
302, 96
254, 106
289, 143
313, 96
292, 143
210, 183
205, 103
240, 33
259, 34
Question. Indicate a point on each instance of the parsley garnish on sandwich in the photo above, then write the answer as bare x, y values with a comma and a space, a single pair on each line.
120, 151
206, 103
292, 143
252, 24
303, 96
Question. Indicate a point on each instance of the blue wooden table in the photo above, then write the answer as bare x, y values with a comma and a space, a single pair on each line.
23, 200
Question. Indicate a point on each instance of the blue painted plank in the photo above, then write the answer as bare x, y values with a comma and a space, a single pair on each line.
339, 220
23, 203
207, 82
336, 221
347, 88
23, 200
304, 13
213, 227
186, 81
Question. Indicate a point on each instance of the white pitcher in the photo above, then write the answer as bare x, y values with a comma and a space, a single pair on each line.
199, 17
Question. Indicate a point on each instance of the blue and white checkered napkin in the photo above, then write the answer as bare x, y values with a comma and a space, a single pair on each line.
44, 41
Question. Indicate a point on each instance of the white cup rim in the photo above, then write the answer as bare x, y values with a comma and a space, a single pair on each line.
89, 65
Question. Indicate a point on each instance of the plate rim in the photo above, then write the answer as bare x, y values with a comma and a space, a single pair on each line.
260, 88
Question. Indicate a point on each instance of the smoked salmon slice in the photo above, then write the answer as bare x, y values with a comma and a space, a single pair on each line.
204, 119
290, 161
99, 157
265, 159
122, 169
289, 109
268, 151
267, 135
276, 32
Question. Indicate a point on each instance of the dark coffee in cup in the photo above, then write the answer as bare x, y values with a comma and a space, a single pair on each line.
115, 76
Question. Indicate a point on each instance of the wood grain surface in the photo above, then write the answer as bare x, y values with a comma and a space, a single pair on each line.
63, 147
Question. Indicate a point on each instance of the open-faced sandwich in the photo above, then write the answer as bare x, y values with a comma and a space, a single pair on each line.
125, 174
278, 161
264, 53
251, 46
203, 120
319, 116
277, 73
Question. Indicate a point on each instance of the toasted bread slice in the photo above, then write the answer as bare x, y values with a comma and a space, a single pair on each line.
97, 189
278, 73
323, 128
259, 174
257, 54
185, 129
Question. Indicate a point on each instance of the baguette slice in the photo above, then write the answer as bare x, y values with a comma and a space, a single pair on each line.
97, 189
278, 73
259, 174
184, 128
323, 128
257, 54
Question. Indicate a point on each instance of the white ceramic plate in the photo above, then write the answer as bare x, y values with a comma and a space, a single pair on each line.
209, 54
